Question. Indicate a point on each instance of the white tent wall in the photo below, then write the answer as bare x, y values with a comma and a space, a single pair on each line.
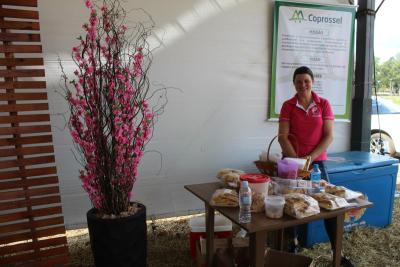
218, 53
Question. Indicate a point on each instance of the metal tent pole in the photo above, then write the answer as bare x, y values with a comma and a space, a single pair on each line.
361, 111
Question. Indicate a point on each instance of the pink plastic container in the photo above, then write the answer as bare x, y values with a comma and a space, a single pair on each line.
287, 169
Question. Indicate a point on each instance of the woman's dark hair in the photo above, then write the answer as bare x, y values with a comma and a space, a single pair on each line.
303, 70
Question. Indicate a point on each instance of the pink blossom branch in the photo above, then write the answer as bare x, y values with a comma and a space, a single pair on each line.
111, 119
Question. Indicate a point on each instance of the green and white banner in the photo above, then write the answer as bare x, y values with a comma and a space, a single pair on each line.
320, 37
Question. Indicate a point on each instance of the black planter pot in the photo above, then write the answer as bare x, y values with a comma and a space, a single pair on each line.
118, 242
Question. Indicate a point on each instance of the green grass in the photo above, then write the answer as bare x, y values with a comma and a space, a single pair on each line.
395, 99
398, 180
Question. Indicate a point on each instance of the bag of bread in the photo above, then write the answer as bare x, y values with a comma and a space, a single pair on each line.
300, 205
257, 202
225, 198
350, 194
342, 191
339, 191
230, 177
330, 202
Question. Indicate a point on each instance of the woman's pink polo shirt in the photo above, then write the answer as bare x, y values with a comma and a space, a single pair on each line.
307, 125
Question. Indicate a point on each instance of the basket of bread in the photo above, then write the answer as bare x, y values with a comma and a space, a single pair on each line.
268, 165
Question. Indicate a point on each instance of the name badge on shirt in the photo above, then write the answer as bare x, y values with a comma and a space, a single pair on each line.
315, 111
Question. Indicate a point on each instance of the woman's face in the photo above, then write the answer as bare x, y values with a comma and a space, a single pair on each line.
303, 84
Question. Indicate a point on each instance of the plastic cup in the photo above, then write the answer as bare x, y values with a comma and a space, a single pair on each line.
274, 206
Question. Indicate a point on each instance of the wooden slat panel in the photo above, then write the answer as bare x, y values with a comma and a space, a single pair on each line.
32, 3
23, 96
19, 13
19, 224
61, 260
25, 118
23, 85
26, 151
22, 73
20, 25
10, 195
20, 49
46, 253
28, 182
27, 236
52, 242
20, 257
23, 107
26, 162
31, 202
25, 129
56, 261
54, 251
26, 140
28, 173
21, 61
19, 37
10, 217
16, 227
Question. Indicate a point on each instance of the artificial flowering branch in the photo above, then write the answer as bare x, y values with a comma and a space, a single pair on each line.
109, 97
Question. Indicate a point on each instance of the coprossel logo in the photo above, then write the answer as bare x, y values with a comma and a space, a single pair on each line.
297, 16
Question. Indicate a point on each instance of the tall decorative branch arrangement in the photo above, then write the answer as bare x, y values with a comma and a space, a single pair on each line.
111, 119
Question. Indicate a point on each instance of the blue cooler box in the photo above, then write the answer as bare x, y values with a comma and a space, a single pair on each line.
374, 175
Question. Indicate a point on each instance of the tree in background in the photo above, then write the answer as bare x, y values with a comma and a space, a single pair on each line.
388, 74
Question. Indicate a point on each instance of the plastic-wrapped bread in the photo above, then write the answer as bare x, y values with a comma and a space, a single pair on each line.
257, 202
225, 198
228, 170
330, 202
339, 191
230, 177
300, 206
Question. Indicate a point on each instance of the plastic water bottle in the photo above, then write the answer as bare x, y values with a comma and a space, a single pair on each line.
245, 203
315, 178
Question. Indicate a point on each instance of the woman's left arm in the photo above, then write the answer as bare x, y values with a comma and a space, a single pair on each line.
325, 141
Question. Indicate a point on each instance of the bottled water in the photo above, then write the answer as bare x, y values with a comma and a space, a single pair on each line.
315, 178
244, 203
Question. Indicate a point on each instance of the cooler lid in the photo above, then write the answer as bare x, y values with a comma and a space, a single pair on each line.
255, 178
356, 160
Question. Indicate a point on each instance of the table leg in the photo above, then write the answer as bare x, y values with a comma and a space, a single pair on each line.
337, 239
209, 234
257, 248
280, 237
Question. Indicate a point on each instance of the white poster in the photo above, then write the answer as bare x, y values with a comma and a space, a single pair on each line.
320, 37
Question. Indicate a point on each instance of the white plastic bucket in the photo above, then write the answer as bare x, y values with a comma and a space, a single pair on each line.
274, 206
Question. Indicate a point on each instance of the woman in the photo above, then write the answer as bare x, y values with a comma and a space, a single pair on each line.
306, 130
306, 122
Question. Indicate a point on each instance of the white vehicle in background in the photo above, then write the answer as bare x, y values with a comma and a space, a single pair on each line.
385, 127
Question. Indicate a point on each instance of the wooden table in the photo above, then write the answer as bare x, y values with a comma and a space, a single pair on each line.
260, 225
